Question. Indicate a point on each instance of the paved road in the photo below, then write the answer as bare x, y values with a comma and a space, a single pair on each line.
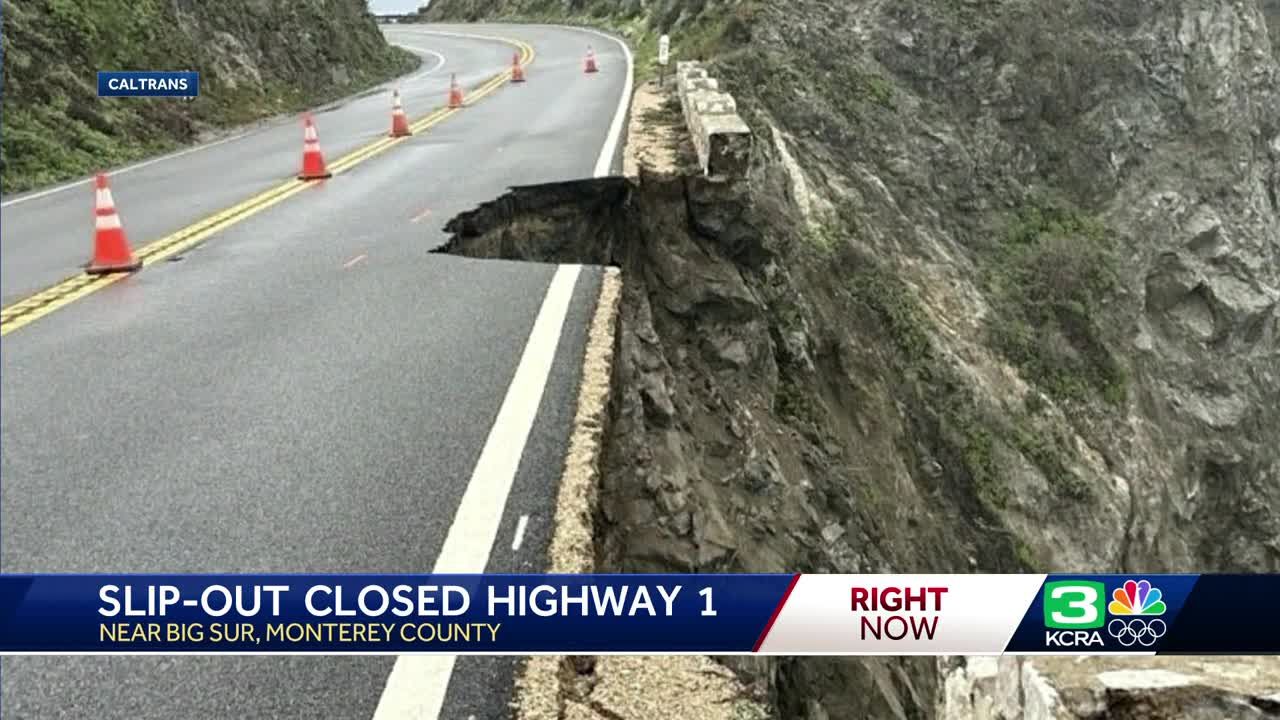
309, 390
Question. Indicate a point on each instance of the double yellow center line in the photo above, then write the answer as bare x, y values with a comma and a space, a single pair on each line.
36, 306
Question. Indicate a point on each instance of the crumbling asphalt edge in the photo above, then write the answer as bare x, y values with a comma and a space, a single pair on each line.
538, 691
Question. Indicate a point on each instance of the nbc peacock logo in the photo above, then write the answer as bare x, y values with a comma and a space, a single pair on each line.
1136, 598
1136, 606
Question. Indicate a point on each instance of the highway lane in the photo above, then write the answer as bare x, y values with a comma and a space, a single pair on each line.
309, 390
44, 238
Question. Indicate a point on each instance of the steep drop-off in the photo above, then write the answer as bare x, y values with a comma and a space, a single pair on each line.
1000, 293
255, 58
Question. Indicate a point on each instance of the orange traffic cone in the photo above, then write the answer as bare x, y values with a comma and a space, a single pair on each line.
455, 92
590, 65
313, 167
399, 123
111, 251
517, 72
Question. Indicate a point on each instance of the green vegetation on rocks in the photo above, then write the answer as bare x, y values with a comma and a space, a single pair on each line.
971, 431
255, 59
1050, 273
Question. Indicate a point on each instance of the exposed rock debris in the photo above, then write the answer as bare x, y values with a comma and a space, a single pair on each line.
1025, 316
1132, 688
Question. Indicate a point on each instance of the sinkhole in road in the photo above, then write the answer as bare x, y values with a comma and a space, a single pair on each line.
577, 221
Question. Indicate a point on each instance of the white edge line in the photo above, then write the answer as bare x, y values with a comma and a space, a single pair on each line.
466, 36
417, 684
521, 526
416, 687
421, 73
604, 164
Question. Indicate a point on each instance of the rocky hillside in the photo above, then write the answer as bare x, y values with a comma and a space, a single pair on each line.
1272, 10
255, 57
1000, 293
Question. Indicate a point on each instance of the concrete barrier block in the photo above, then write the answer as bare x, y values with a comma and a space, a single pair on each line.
720, 137
701, 85
688, 75
690, 67
715, 104
728, 142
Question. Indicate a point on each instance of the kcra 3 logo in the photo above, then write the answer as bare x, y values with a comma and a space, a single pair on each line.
1077, 614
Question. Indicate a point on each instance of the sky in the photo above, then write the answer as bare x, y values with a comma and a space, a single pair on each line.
394, 6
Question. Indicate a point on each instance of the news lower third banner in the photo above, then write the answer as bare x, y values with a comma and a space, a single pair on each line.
640, 614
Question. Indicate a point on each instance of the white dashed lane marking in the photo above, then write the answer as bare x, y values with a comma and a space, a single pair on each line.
521, 526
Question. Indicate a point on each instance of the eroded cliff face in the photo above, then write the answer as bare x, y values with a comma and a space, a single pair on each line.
1155, 126
255, 58
999, 294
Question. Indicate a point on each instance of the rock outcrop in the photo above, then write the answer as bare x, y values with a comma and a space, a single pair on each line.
1083, 688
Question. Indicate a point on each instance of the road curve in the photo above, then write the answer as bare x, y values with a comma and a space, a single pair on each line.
44, 237
307, 390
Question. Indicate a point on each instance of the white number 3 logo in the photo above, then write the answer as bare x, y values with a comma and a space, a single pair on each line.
1082, 599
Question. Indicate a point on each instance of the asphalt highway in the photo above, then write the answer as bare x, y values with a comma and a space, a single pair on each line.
306, 390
